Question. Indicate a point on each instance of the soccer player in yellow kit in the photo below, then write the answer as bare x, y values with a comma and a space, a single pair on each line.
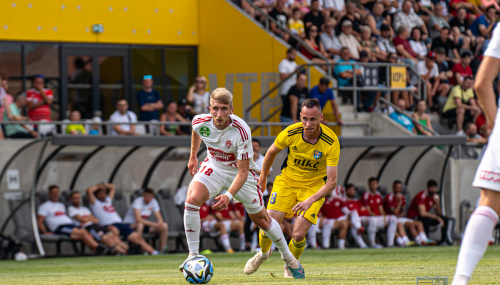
309, 174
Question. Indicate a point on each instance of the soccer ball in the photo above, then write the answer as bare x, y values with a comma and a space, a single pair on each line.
198, 270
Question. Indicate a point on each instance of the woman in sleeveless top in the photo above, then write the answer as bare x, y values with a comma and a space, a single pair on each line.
423, 118
171, 115
313, 41
198, 96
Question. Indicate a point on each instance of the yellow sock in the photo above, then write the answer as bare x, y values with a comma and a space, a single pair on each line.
265, 242
297, 247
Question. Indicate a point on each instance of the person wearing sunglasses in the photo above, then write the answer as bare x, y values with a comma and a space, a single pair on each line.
198, 96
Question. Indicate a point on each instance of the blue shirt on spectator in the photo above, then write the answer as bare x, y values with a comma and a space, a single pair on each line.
481, 20
341, 68
322, 98
144, 98
403, 120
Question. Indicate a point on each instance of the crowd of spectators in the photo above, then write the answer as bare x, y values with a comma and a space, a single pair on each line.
443, 40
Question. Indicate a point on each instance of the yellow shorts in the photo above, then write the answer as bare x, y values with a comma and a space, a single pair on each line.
286, 195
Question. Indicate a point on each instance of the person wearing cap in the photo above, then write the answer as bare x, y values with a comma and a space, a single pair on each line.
384, 42
461, 104
462, 69
429, 71
39, 100
149, 100
347, 39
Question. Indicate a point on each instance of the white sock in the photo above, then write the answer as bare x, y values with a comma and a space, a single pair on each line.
399, 241
475, 242
419, 240
225, 242
192, 227
311, 236
391, 229
359, 240
255, 240
406, 239
423, 235
242, 242
341, 244
326, 234
355, 220
372, 231
276, 235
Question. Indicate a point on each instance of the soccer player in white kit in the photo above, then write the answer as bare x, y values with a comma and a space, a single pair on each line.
229, 165
485, 217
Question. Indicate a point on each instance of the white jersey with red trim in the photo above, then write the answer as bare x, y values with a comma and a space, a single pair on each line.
225, 147
493, 50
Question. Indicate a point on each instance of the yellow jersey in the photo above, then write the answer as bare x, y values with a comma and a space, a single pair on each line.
306, 163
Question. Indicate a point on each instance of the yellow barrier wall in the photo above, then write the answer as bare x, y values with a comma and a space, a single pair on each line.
235, 51
166, 22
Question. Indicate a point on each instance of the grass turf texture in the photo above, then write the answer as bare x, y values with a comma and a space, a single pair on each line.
351, 266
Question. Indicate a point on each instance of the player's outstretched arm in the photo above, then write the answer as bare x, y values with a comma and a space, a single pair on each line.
266, 165
239, 180
488, 70
331, 182
193, 158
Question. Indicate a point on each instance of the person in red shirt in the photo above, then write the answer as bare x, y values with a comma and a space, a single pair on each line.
39, 100
420, 208
403, 47
374, 202
230, 219
333, 217
462, 69
395, 204
210, 225
358, 211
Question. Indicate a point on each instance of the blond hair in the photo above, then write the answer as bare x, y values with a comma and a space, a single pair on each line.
222, 95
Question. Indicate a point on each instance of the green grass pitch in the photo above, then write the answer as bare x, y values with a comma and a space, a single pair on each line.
351, 266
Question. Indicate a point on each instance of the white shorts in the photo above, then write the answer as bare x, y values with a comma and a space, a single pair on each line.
209, 226
488, 172
217, 179
403, 220
331, 222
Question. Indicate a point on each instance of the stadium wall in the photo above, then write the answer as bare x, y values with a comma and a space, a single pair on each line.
124, 22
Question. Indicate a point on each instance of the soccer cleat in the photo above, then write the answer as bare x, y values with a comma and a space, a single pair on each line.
288, 274
298, 273
429, 242
255, 262
410, 243
181, 267
376, 246
230, 250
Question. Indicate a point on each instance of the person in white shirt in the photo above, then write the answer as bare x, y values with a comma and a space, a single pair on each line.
138, 217
53, 213
198, 95
124, 116
286, 67
84, 219
100, 198
429, 71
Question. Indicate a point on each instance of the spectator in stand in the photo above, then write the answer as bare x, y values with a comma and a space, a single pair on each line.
149, 100
125, 117
402, 119
314, 17
20, 131
229, 218
100, 198
287, 67
187, 112
407, 18
424, 9
302, 5
330, 41
484, 24
384, 42
280, 14
138, 217
333, 8
297, 94
39, 100
53, 213
347, 39
445, 73
374, 203
376, 19
75, 128
333, 217
416, 42
295, 24
457, 4
423, 118
345, 73
210, 225
5, 99
84, 219
374, 52
429, 71
171, 115
323, 93
462, 69
198, 95
470, 130
313, 42
449, 46
403, 47
367, 98
384, 79
420, 208
438, 21
461, 104
353, 17
461, 31
395, 204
